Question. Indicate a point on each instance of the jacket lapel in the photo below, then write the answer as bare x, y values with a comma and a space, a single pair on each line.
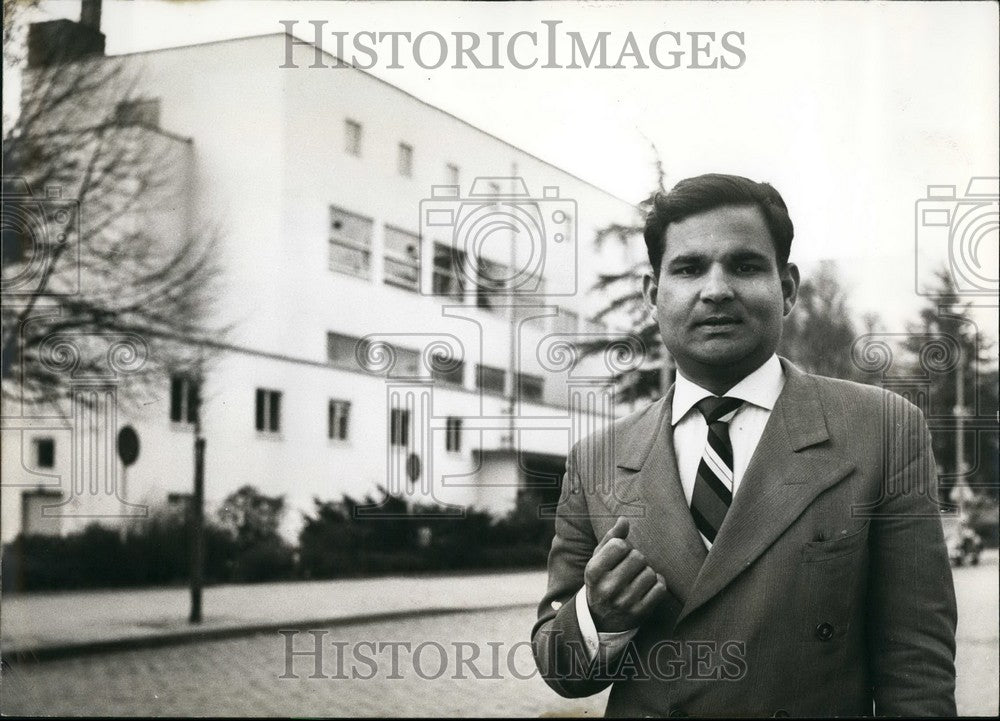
786, 472
651, 497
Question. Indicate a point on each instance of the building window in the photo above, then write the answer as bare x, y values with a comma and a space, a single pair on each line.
447, 370
451, 174
448, 274
338, 419
404, 160
407, 363
352, 137
138, 112
184, 400
399, 427
350, 243
18, 238
268, 415
9, 352
453, 434
402, 258
490, 281
344, 351
490, 379
530, 387
45, 453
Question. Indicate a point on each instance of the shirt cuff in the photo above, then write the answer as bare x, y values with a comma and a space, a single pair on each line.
613, 642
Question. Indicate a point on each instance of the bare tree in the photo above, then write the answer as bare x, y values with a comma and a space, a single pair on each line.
102, 253
13, 17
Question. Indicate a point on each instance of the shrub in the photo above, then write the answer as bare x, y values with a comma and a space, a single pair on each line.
339, 539
153, 551
343, 538
269, 560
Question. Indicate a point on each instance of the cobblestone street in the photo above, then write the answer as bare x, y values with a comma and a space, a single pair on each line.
244, 676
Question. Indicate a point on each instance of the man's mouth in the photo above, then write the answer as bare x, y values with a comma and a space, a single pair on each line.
719, 321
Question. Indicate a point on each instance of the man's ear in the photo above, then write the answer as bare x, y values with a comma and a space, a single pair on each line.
649, 290
790, 286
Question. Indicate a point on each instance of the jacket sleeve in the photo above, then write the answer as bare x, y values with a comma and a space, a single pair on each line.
557, 642
911, 607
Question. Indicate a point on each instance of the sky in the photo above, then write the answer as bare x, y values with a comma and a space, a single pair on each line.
851, 110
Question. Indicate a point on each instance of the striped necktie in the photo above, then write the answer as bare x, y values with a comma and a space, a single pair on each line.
713, 486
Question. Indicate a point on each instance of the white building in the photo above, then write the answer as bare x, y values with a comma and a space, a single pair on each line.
336, 246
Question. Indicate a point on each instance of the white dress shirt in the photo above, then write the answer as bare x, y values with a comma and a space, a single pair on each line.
760, 391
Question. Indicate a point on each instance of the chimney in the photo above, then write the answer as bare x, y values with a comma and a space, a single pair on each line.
90, 14
64, 41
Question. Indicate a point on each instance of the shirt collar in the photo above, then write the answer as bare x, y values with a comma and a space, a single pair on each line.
760, 388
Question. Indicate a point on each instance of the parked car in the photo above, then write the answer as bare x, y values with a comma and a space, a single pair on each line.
964, 544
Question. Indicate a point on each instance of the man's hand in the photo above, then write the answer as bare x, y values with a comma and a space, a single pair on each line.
621, 587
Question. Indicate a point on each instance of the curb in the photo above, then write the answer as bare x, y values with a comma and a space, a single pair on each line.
89, 648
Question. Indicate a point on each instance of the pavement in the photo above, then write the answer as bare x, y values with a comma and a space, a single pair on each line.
42, 626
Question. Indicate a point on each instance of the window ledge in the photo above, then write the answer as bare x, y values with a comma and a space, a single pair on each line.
492, 393
449, 385
401, 285
350, 274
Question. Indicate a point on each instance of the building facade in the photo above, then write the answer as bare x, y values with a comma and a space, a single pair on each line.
404, 294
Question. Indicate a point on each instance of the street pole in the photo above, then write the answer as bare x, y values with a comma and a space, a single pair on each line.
197, 515
124, 525
512, 345
960, 485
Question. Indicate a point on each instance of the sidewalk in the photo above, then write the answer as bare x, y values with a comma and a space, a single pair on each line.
52, 625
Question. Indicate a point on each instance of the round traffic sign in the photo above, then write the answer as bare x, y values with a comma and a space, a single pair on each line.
413, 467
128, 445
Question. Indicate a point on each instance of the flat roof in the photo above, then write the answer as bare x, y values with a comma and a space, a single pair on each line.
394, 87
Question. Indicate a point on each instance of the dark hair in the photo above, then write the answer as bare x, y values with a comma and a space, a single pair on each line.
708, 192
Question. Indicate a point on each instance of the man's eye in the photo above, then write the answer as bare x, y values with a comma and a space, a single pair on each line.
686, 270
747, 268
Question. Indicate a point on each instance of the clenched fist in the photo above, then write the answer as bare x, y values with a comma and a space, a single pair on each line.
621, 587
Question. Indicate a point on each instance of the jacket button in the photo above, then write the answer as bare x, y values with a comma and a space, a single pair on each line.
824, 632
780, 713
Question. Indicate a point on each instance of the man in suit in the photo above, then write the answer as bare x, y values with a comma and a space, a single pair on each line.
768, 542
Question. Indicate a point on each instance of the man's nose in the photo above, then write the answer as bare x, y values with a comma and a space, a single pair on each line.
716, 287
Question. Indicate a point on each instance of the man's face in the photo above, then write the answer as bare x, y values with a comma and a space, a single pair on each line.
720, 296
